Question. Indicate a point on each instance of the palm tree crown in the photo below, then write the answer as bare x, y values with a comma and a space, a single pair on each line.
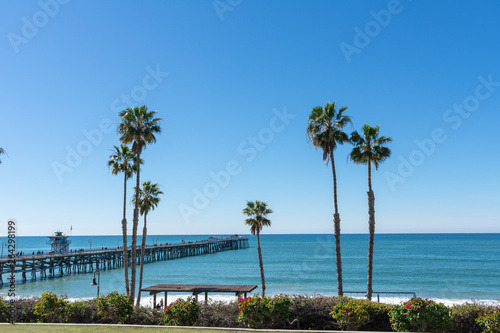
148, 197
325, 128
138, 126
122, 160
369, 147
258, 211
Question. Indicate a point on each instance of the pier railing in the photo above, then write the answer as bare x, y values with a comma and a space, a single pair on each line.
41, 266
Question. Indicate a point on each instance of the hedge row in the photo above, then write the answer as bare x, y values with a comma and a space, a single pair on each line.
297, 312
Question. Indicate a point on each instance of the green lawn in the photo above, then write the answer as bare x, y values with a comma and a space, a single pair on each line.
93, 328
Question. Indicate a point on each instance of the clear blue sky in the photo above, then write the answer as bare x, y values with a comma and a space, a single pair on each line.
234, 82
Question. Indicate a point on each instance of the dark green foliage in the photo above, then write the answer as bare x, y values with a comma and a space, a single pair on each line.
420, 315
182, 312
24, 310
312, 313
114, 308
4, 311
379, 317
264, 312
219, 314
305, 312
490, 321
52, 309
463, 318
83, 312
146, 316
351, 313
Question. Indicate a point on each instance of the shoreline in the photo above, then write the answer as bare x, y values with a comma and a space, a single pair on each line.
147, 301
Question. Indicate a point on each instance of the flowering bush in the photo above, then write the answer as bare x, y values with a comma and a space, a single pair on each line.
259, 312
490, 321
351, 314
420, 315
182, 312
52, 309
114, 307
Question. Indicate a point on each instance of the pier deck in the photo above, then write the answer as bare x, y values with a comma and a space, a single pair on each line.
41, 266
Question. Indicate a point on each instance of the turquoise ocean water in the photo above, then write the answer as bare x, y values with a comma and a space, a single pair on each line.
447, 267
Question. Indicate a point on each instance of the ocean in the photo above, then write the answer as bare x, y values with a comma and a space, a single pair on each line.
451, 268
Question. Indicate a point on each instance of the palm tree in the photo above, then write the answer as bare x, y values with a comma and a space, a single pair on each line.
325, 131
369, 148
148, 200
138, 127
122, 160
258, 211
2, 152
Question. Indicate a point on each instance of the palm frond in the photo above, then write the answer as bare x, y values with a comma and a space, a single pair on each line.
257, 211
325, 126
369, 147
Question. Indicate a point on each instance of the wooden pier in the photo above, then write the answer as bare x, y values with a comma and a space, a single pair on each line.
42, 266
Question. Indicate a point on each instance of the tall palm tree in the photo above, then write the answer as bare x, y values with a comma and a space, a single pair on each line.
138, 126
148, 200
122, 160
325, 131
369, 149
258, 211
2, 152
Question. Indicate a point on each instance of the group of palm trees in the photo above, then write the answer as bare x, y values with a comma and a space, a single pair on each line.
138, 127
325, 131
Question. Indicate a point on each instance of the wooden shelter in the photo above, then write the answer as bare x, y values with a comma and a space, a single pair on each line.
197, 289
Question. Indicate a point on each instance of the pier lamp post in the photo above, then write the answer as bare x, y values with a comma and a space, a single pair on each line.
98, 283
3, 244
90, 242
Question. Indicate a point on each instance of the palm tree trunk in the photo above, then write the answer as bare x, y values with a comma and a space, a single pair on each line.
134, 231
143, 251
261, 266
336, 222
371, 237
124, 231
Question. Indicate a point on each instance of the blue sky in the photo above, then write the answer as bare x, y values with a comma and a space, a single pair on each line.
234, 82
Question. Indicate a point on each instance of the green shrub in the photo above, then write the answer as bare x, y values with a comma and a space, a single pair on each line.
420, 315
5, 311
379, 316
264, 312
490, 321
312, 313
182, 312
114, 307
83, 312
146, 316
24, 309
463, 318
52, 309
219, 314
351, 314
